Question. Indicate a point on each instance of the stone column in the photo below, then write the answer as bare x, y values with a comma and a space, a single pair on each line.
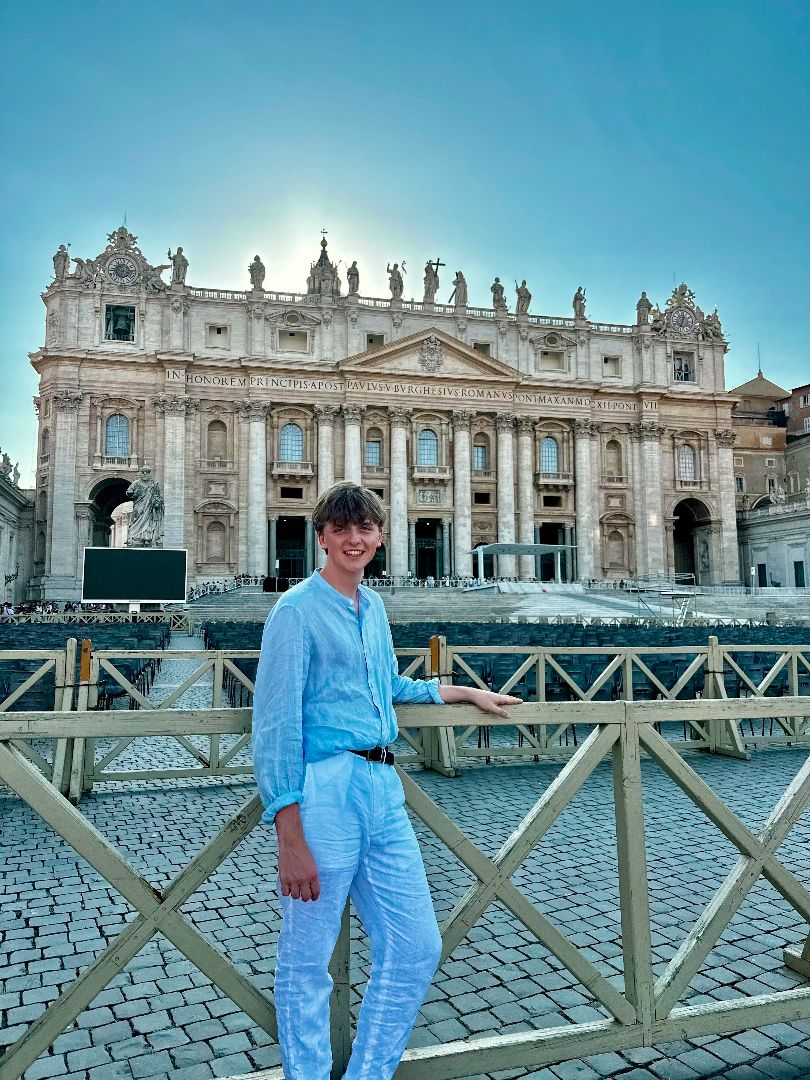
461, 494
585, 486
352, 459
505, 424
648, 497
536, 559
724, 482
173, 407
325, 419
398, 526
62, 577
525, 426
445, 565
568, 540
309, 547
257, 554
98, 404
272, 554
412, 547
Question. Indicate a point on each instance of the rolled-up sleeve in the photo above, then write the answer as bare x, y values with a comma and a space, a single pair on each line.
278, 746
407, 691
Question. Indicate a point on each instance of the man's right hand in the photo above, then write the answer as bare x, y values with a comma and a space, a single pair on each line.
296, 866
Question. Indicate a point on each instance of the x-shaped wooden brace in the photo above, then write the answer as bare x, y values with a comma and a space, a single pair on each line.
158, 912
757, 857
494, 874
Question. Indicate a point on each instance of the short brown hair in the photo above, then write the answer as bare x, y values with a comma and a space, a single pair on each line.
347, 504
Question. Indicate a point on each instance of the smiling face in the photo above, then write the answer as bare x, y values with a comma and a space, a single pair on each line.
351, 547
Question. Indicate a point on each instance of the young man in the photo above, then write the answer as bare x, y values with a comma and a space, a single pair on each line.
322, 721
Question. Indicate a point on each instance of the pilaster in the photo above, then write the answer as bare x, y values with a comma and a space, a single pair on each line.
255, 412
725, 440
398, 526
62, 581
584, 432
525, 427
505, 424
463, 563
352, 459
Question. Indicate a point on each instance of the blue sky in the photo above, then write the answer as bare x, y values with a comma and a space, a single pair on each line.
620, 147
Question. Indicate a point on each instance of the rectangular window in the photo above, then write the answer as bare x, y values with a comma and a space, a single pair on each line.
373, 341
612, 366
481, 498
480, 458
552, 361
804, 401
765, 440
771, 485
119, 323
770, 462
762, 575
683, 367
739, 484
798, 574
738, 461
482, 347
292, 493
294, 340
379, 492
373, 452
217, 337
807, 425
552, 500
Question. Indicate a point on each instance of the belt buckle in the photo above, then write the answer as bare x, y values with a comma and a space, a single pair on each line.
377, 754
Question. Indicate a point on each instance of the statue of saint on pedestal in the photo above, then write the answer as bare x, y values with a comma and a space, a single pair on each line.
179, 266
431, 282
643, 309
524, 298
257, 271
146, 524
61, 264
353, 278
459, 293
498, 301
579, 303
395, 282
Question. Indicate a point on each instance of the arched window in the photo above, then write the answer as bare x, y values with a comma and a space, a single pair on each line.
217, 446
215, 542
613, 458
42, 505
428, 453
116, 436
481, 453
686, 462
549, 455
374, 444
615, 550
292, 443
40, 555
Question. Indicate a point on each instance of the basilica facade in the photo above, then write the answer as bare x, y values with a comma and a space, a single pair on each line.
474, 425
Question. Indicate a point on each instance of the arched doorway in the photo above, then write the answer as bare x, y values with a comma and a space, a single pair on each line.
691, 541
110, 505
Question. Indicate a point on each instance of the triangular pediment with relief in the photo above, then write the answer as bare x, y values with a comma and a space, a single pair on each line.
430, 354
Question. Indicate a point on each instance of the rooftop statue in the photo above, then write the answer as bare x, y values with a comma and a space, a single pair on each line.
524, 298
498, 301
431, 280
146, 524
459, 292
643, 309
353, 278
579, 303
395, 282
152, 281
179, 265
256, 269
61, 264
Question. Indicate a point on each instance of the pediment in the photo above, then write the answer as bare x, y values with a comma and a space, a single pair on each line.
430, 354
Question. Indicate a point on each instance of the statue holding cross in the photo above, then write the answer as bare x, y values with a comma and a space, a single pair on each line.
431, 280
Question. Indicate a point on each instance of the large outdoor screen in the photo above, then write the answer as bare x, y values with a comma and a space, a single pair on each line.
134, 575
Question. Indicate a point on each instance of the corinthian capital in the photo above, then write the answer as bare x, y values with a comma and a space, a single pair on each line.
726, 437
252, 410
175, 405
505, 422
525, 425
353, 414
645, 429
325, 414
585, 428
462, 420
398, 415
67, 400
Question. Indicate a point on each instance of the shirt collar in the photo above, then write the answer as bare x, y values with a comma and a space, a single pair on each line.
329, 590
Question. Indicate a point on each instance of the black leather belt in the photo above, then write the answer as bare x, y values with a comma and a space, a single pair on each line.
379, 754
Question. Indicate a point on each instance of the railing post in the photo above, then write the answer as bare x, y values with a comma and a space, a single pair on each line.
63, 748
79, 745
440, 743
216, 703
724, 735
90, 743
634, 898
340, 1015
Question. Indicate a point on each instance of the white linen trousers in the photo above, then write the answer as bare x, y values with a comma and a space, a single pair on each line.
364, 846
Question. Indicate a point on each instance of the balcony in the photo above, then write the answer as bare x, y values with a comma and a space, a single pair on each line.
483, 474
215, 464
438, 473
691, 485
375, 470
296, 469
615, 481
553, 479
123, 461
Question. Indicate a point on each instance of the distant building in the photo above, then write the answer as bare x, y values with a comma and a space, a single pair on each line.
759, 449
796, 407
16, 533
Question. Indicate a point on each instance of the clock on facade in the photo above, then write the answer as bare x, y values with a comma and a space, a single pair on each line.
682, 321
121, 270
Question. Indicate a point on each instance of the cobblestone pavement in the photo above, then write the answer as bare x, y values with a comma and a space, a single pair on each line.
161, 1019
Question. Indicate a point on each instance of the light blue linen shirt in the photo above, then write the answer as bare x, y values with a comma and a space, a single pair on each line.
327, 682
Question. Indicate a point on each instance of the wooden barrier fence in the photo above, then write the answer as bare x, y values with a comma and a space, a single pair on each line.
645, 1011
